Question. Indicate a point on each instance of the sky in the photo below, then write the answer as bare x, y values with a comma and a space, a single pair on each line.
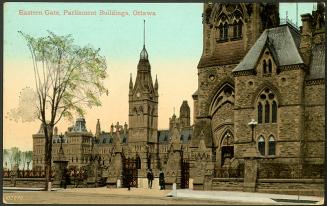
173, 41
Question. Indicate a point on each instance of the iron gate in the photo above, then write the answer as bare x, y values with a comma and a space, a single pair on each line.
129, 173
185, 174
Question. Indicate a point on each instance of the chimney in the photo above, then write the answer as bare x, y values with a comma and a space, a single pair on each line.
306, 38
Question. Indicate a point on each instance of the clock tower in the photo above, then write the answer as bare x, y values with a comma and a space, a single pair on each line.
143, 103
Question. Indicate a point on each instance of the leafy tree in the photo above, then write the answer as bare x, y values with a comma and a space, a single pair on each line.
11, 155
68, 78
6, 154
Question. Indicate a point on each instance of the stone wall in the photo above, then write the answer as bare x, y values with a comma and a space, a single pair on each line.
314, 135
227, 184
25, 182
292, 186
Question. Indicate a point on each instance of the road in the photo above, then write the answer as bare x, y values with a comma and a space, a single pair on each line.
102, 196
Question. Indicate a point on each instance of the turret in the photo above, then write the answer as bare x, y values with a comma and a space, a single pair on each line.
98, 129
55, 132
112, 129
125, 128
130, 84
184, 114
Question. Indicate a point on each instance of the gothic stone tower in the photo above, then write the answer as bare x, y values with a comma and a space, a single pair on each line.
143, 104
229, 31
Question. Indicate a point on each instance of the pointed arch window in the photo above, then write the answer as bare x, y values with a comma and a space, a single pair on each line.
269, 66
237, 28
264, 66
259, 113
138, 162
261, 145
274, 112
271, 146
267, 112
267, 106
223, 30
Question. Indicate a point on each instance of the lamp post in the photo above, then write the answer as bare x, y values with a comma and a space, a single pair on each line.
253, 123
28, 165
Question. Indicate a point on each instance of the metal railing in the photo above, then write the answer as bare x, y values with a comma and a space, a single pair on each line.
288, 21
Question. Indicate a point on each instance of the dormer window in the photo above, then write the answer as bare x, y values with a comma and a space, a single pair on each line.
264, 66
269, 66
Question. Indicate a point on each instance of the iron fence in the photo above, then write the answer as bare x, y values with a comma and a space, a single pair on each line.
26, 173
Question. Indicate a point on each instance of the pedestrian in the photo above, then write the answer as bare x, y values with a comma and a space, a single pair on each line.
162, 180
129, 180
150, 178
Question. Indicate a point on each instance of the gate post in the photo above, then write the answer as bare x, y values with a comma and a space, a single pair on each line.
250, 169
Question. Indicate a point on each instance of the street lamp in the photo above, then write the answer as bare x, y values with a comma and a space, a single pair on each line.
28, 165
253, 123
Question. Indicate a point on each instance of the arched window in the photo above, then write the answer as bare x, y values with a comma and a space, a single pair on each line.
221, 31
182, 136
76, 159
237, 29
104, 141
267, 112
259, 113
264, 66
72, 159
225, 31
138, 162
271, 146
261, 145
269, 66
110, 141
274, 112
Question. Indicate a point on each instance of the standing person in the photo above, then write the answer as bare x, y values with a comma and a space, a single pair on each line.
150, 178
162, 180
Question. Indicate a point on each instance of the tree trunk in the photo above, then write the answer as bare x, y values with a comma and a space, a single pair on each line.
48, 155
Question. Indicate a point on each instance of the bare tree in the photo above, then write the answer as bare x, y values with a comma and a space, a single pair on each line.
68, 78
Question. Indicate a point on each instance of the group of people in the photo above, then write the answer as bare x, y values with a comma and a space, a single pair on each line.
150, 178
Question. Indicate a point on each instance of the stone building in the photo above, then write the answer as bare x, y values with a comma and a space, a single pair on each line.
253, 69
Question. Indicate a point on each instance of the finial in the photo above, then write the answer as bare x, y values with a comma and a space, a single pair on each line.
174, 110
143, 32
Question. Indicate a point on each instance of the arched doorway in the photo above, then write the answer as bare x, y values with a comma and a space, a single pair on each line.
227, 148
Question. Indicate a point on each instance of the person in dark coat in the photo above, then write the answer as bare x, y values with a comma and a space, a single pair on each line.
162, 180
150, 178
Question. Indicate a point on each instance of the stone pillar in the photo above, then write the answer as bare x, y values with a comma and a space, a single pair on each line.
59, 175
251, 169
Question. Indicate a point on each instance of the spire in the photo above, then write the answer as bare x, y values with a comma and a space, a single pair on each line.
130, 82
144, 53
156, 84
98, 129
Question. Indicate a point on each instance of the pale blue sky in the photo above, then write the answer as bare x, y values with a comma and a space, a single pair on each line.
173, 41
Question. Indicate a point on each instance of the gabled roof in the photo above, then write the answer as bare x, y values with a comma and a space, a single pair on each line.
284, 42
317, 66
